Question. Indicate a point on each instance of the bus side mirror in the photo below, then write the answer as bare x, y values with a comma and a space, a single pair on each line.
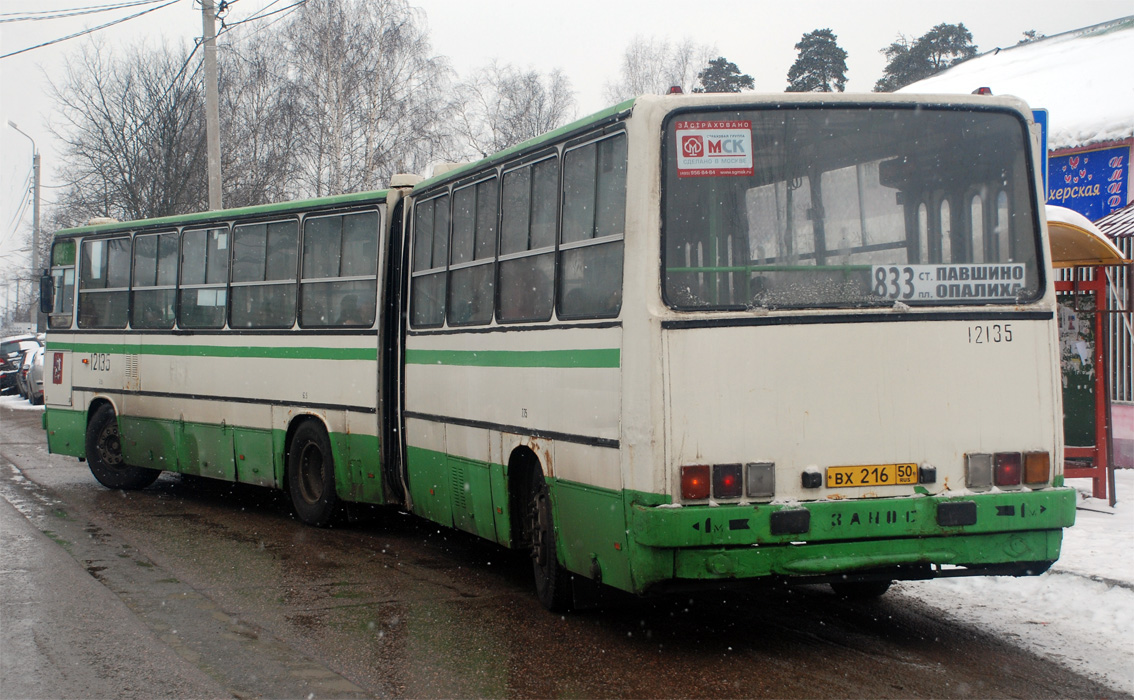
46, 293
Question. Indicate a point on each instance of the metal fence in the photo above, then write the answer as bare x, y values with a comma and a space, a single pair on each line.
1121, 340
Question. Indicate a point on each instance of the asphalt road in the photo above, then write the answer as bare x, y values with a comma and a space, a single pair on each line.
193, 588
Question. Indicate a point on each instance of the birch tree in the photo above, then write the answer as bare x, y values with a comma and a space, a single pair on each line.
369, 94
502, 106
650, 66
260, 129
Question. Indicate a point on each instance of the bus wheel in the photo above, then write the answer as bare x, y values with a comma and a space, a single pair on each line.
553, 583
860, 590
104, 455
311, 475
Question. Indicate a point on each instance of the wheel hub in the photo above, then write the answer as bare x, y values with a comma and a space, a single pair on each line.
540, 525
110, 446
311, 474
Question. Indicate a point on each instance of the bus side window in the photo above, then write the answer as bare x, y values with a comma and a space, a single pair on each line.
473, 253
430, 251
204, 278
154, 291
594, 216
340, 271
263, 275
104, 283
527, 242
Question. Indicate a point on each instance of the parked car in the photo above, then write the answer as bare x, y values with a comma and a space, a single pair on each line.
35, 377
24, 364
12, 351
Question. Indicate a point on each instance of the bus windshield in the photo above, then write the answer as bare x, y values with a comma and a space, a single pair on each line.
798, 207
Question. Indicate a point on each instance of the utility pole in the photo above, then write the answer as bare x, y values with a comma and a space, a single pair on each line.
212, 112
35, 219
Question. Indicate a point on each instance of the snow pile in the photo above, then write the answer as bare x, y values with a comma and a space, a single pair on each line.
1081, 613
1080, 77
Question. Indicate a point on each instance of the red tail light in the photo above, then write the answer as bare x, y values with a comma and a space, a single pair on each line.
695, 482
728, 481
1006, 469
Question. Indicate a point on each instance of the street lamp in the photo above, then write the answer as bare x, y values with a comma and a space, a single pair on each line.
35, 209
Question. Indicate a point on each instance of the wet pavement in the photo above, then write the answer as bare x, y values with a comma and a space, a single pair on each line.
219, 591
64, 634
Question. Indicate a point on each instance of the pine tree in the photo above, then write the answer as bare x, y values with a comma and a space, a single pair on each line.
946, 45
942, 47
722, 75
1030, 36
901, 67
821, 65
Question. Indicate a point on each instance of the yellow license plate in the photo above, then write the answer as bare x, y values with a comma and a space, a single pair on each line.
872, 475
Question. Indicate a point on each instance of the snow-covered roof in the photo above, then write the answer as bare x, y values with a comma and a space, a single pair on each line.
1082, 77
1118, 224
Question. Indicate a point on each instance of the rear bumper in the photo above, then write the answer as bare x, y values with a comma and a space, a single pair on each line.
1005, 532
1017, 554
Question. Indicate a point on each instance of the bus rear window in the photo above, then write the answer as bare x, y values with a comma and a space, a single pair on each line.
847, 207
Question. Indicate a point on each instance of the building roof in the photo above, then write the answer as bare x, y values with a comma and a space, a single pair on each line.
1082, 78
1118, 224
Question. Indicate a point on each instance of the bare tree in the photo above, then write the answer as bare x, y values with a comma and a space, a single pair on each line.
652, 66
260, 129
502, 106
369, 93
339, 100
132, 130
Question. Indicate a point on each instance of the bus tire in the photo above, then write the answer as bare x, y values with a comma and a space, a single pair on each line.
311, 475
104, 454
553, 582
860, 590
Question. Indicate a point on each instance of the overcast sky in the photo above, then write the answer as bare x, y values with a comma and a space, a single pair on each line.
583, 38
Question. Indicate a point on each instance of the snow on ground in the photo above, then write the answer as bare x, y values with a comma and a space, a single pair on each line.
13, 401
1080, 613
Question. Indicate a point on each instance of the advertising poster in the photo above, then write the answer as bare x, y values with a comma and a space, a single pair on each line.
1093, 183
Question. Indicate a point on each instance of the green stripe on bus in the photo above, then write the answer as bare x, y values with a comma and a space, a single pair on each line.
604, 358
285, 353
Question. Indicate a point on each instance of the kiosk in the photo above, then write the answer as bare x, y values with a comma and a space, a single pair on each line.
1083, 252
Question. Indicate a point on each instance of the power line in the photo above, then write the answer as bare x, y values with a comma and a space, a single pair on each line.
20, 210
262, 14
25, 194
89, 31
14, 224
269, 25
40, 15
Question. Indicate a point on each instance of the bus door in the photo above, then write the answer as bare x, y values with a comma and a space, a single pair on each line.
391, 344
57, 361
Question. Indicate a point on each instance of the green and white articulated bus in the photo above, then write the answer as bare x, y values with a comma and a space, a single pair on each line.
687, 341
